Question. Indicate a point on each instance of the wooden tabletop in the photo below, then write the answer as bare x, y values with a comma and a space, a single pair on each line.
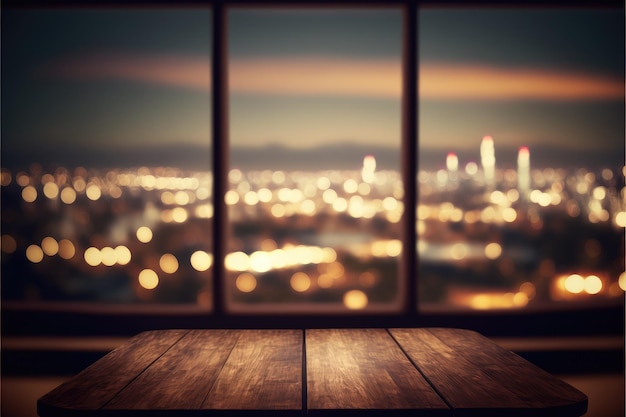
421, 372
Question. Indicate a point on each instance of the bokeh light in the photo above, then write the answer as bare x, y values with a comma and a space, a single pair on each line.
148, 279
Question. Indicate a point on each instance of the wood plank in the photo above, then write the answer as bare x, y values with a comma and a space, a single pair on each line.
364, 370
97, 384
540, 389
182, 377
263, 372
478, 378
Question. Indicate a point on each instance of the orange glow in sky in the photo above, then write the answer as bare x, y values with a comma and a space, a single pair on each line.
321, 76
317, 77
490, 83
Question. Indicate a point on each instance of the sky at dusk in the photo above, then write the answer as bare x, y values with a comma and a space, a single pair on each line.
127, 79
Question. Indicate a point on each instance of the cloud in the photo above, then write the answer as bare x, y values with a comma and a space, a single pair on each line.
438, 81
337, 77
317, 76
186, 72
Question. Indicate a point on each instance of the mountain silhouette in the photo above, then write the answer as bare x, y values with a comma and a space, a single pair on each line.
335, 156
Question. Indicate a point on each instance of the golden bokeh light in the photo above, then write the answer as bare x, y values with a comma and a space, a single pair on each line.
393, 248
278, 211
29, 194
148, 279
167, 198
50, 246
593, 284
109, 257
66, 249
144, 234
459, 251
622, 281
325, 281
260, 261
520, 299
509, 215
93, 192
68, 195
5, 177
237, 261
92, 256
180, 215
300, 282
493, 250
182, 198
80, 185
574, 284
201, 260
335, 270
8, 244
246, 282
51, 190
620, 219
168, 263
355, 300
123, 255
34, 254
22, 179
529, 289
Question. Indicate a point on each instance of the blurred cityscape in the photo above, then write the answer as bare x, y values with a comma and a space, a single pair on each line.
488, 237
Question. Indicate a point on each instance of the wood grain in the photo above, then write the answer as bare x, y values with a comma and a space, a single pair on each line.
263, 372
363, 369
478, 378
182, 377
100, 382
338, 372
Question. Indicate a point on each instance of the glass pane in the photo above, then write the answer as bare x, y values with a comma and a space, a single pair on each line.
521, 159
106, 184
315, 198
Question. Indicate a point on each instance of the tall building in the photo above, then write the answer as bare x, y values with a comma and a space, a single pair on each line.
488, 160
523, 171
452, 164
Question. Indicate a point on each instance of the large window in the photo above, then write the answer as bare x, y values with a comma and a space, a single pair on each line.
521, 158
106, 169
315, 191
514, 197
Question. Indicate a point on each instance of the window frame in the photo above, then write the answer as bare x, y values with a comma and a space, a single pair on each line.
48, 318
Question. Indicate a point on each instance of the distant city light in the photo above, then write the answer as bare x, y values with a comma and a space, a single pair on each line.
168, 263
452, 161
246, 282
50, 246
29, 194
300, 282
8, 244
66, 249
201, 260
92, 256
144, 234
523, 170
34, 254
355, 300
575, 284
488, 159
148, 279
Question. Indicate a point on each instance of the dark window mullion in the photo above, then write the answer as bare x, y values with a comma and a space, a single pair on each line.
219, 93
409, 156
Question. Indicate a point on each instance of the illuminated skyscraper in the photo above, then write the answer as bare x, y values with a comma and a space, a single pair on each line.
523, 171
452, 163
369, 169
488, 160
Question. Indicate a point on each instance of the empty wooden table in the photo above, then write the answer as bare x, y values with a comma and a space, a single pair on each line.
423, 371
